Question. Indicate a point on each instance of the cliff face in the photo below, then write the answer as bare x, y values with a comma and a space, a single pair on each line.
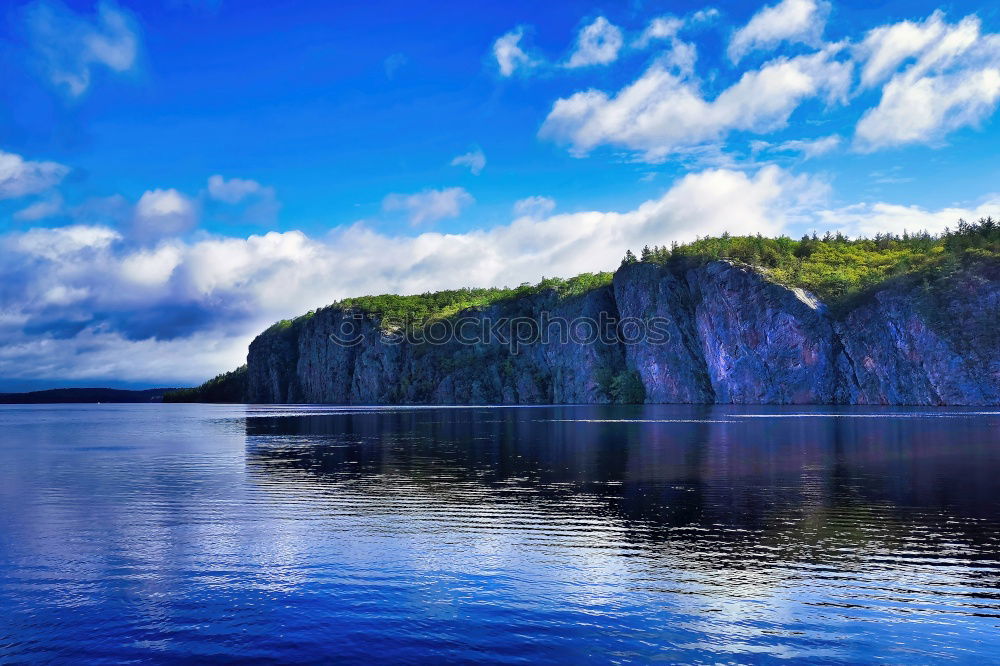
913, 346
729, 335
303, 363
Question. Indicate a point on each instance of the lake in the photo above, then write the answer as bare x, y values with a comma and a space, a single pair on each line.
619, 534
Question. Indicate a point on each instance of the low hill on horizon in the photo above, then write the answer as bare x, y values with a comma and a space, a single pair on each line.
84, 395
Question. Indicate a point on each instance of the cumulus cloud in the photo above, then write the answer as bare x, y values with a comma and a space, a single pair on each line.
54, 244
100, 356
429, 205
234, 190
705, 15
534, 206
935, 77
475, 160
925, 109
872, 218
258, 204
680, 57
161, 213
885, 48
597, 44
509, 55
796, 21
952, 80
20, 177
71, 45
665, 111
662, 27
151, 267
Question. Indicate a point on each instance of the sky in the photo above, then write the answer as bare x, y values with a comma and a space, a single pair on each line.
175, 176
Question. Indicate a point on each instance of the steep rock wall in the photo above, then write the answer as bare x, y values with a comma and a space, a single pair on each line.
303, 363
910, 345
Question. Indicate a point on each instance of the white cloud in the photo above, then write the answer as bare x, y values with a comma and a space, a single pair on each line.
103, 356
20, 177
234, 190
64, 242
663, 112
597, 44
662, 27
681, 57
534, 207
870, 219
796, 21
936, 77
808, 148
924, 109
258, 204
475, 160
153, 267
429, 205
509, 54
885, 48
952, 80
705, 15
39, 210
72, 45
161, 213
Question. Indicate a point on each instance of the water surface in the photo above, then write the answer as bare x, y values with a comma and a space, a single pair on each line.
154, 533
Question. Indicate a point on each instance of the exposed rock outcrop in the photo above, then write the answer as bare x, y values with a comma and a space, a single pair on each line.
910, 345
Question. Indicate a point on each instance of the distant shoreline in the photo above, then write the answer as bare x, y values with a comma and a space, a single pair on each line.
84, 396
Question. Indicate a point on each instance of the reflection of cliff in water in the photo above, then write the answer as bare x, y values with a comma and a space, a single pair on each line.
789, 483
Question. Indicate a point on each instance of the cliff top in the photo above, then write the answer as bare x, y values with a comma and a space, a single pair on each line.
838, 269
418, 308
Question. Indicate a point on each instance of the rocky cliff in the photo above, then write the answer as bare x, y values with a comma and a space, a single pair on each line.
302, 363
728, 334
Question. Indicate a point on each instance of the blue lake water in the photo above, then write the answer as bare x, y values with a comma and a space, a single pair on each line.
151, 533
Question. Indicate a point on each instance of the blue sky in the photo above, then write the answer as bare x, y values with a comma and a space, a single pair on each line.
174, 176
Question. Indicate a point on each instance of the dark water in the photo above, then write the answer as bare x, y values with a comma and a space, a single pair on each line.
575, 535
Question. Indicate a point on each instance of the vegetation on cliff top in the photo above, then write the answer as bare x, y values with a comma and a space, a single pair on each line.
419, 308
836, 268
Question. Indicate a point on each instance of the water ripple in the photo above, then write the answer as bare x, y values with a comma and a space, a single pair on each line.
570, 534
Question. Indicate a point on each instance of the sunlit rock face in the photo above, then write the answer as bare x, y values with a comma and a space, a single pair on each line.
729, 335
762, 342
911, 345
